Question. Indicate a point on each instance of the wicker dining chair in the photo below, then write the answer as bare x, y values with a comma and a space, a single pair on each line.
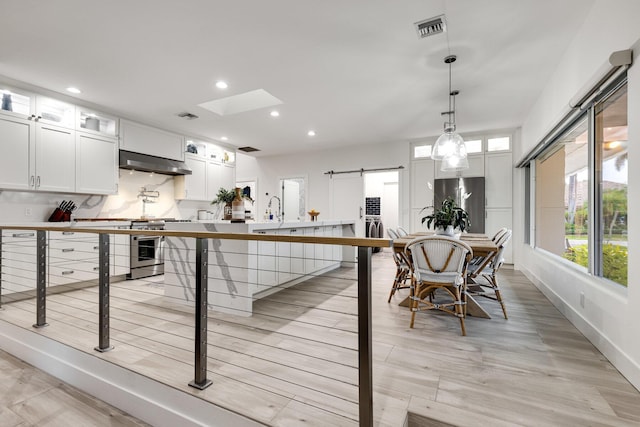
403, 270
402, 232
439, 275
482, 276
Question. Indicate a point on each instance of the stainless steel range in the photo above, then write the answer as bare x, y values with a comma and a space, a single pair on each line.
147, 252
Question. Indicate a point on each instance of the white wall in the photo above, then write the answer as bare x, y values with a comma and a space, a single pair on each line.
269, 170
610, 312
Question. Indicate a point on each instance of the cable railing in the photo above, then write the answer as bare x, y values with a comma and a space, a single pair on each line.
277, 320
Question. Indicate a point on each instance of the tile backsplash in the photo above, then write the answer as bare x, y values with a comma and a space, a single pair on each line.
25, 207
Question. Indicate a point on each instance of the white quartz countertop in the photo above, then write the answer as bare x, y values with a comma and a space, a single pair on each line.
79, 224
250, 227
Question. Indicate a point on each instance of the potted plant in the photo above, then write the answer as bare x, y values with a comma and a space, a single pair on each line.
224, 199
448, 219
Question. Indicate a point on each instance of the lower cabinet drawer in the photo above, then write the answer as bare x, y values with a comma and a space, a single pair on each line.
62, 274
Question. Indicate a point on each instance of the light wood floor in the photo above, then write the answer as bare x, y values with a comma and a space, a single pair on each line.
293, 362
30, 397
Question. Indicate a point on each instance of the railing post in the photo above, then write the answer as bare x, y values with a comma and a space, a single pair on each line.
200, 380
41, 279
365, 382
103, 294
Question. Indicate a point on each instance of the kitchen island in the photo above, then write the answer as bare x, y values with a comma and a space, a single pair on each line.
241, 271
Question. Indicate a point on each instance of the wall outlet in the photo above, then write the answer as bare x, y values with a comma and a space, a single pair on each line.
27, 212
582, 299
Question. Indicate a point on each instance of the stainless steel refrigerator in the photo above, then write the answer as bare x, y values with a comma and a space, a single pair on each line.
468, 194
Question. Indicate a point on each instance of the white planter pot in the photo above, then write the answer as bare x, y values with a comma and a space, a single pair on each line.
445, 231
449, 231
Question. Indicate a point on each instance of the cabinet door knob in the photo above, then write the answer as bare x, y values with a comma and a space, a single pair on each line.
32, 181
38, 181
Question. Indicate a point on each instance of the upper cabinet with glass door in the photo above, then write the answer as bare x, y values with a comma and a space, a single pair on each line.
89, 120
26, 105
16, 102
55, 112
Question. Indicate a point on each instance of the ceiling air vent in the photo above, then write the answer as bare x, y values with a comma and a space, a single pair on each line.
431, 26
248, 149
187, 115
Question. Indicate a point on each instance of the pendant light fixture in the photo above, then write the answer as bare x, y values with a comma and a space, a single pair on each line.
450, 147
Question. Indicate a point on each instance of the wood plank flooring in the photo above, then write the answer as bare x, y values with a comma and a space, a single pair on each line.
30, 397
294, 361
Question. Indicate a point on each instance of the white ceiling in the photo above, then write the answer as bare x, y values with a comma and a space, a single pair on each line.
352, 70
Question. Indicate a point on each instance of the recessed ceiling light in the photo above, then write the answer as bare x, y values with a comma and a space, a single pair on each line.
311, 133
275, 113
74, 90
224, 138
221, 84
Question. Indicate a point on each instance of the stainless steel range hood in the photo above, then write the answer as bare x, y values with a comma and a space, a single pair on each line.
146, 163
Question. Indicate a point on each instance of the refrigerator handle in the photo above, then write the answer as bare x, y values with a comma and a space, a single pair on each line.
360, 212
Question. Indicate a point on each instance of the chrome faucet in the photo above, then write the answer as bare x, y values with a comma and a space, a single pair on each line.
278, 214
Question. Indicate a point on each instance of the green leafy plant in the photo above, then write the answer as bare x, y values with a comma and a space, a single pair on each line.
224, 196
448, 214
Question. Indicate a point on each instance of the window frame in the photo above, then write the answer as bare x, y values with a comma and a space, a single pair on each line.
595, 210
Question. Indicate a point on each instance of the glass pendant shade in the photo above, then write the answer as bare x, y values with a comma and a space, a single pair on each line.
446, 145
457, 157
453, 163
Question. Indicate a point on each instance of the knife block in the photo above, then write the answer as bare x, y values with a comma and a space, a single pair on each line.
59, 215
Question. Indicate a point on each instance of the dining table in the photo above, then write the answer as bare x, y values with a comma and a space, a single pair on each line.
482, 246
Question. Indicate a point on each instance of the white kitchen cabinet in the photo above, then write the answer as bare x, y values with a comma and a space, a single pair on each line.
219, 175
494, 221
336, 231
309, 252
36, 156
416, 219
17, 138
18, 261
144, 139
38, 108
476, 168
283, 251
54, 112
96, 164
194, 186
55, 159
267, 265
210, 172
73, 257
422, 177
227, 176
297, 254
498, 178
16, 102
95, 122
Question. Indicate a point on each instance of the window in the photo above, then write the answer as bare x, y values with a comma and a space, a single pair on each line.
562, 192
581, 189
611, 171
473, 146
422, 151
502, 143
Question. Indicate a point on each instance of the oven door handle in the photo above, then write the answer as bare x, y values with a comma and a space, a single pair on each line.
145, 238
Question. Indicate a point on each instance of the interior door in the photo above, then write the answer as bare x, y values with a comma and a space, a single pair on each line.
290, 200
347, 199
